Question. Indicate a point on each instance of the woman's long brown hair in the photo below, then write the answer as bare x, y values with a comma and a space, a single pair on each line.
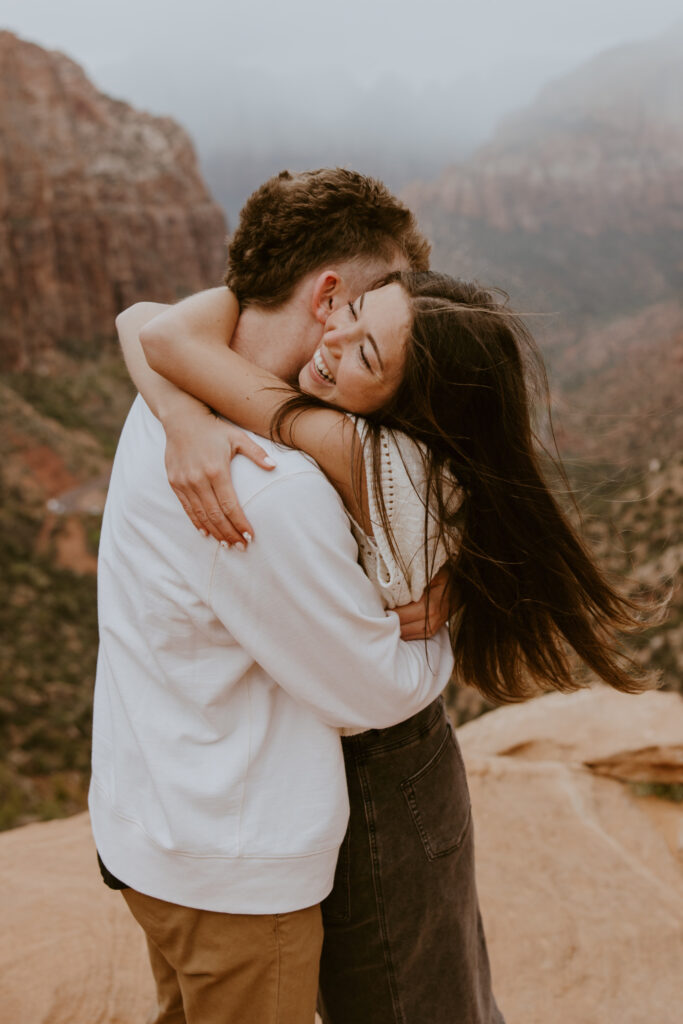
525, 590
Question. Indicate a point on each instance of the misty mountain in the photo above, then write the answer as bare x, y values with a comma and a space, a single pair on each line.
627, 87
249, 123
576, 205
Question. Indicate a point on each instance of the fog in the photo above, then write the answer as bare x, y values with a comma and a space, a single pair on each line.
395, 89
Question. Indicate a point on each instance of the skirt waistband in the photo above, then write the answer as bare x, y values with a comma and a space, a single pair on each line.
375, 741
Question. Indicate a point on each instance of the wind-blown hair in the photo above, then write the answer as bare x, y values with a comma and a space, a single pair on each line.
525, 586
524, 589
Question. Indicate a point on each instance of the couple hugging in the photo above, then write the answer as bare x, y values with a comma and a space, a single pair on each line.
276, 788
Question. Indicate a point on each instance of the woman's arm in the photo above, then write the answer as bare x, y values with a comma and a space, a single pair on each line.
154, 388
211, 315
199, 446
184, 345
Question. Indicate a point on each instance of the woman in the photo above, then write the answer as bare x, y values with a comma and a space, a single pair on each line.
441, 470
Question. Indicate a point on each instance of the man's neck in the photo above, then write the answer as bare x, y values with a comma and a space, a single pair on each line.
280, 340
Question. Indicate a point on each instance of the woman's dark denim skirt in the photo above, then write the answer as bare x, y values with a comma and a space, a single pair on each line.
404, 942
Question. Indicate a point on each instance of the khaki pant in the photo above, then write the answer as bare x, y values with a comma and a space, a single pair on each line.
213, 968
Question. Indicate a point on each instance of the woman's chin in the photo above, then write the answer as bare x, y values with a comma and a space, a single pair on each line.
304, 380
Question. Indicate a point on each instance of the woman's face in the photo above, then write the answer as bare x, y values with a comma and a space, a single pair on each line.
359, 363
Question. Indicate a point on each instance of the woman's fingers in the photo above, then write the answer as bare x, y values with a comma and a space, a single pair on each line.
245, 446
227, 502
198, 468
412, 619
418, 628
421, 628
422, 619
214, 513
413, 631
207, 513
184, 500
231, 519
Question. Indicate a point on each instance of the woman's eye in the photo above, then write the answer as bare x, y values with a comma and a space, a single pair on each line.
362, 355
352, 311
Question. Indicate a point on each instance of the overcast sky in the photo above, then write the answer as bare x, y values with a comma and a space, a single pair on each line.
417, 83
421, 41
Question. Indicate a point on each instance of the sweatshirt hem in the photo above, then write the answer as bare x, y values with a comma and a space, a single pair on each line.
234, 885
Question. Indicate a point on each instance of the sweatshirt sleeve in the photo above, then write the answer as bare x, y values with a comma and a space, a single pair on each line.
299, 603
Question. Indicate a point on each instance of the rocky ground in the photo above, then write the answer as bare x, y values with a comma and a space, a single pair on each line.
580, 870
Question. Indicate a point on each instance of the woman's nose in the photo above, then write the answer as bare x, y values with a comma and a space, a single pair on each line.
333, 337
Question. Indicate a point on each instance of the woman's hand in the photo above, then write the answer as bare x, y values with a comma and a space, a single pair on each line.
421, 619
199, 451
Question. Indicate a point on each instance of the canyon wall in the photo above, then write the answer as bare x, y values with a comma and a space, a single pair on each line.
100, 205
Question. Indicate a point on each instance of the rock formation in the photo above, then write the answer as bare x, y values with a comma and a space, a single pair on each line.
577, 203
579, 877
100, 205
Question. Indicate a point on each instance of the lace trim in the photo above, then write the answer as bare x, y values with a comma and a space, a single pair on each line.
401, 482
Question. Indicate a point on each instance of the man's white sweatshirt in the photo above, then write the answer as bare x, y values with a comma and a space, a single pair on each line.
223, 679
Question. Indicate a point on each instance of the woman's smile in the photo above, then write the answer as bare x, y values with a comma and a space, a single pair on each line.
319, 364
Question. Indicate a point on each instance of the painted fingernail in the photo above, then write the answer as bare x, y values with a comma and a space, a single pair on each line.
269, 462
204, 533
248, 537
224, 544
239, 546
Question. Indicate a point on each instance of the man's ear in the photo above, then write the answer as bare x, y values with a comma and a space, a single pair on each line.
326, 295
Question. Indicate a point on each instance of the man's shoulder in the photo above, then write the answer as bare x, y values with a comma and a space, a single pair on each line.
288, 461
293, 469
143, 438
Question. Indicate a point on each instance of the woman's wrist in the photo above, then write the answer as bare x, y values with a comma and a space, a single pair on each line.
176, 408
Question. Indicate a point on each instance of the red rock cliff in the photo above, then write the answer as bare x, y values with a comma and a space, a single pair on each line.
100, 205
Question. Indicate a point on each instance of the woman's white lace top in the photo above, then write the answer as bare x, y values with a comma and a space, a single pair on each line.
403, 484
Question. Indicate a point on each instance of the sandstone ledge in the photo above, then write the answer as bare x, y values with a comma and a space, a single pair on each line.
580, 881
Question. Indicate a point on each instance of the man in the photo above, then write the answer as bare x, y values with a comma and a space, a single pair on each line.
218, 795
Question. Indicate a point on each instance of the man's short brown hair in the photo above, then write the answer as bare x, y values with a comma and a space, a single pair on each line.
295, 223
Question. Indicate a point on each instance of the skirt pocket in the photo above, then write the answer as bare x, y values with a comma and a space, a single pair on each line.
439, 800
